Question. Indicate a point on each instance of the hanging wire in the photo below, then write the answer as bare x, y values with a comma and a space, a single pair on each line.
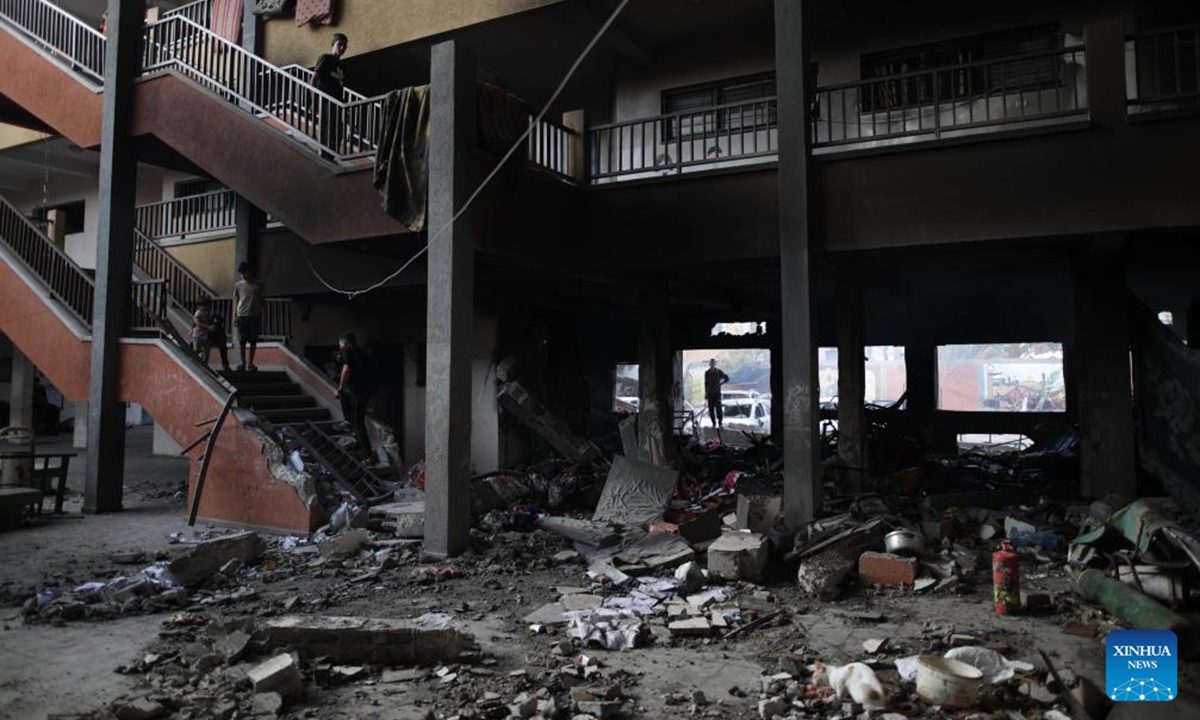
486, 180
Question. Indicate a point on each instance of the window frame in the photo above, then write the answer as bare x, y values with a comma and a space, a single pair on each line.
716, 121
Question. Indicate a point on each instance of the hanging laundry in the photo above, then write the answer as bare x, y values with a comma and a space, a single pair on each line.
402, 158
225, 19
316, 12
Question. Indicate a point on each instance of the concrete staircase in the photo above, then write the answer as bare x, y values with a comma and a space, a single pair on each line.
273, 396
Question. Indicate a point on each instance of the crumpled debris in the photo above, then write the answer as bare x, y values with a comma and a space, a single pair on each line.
608, 628
995, 667
436, 621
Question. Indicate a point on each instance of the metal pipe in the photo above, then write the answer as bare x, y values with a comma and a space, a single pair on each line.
1140, 611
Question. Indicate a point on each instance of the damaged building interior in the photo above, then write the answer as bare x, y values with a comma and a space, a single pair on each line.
589, 359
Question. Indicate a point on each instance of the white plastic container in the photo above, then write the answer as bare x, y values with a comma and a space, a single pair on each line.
948, 683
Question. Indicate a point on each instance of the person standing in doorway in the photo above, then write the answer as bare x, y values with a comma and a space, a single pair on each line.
356, 384
714, 378
248, 300
329, 78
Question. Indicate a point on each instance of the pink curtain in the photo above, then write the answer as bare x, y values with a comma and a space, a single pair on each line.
226, 19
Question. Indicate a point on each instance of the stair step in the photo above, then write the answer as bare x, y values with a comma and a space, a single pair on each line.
293, 415
256, 377
278, 402
247, 390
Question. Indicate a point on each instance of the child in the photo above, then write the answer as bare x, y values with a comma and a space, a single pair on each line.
217, 338
202, 328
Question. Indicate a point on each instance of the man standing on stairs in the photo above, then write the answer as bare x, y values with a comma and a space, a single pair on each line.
329, 78
356, 384
248, 301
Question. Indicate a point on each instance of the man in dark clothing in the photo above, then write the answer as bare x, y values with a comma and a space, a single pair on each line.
356, 384
329, 78
714, 378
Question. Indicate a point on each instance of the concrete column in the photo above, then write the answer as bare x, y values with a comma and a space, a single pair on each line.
920, 362
20, 402
1104, 57
1106, 457
656, 371
251, 29
852, 381
247, 240
450, 321
577, 152
114, 259
79, 429
798, 356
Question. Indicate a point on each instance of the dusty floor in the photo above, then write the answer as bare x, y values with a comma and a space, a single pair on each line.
48, 670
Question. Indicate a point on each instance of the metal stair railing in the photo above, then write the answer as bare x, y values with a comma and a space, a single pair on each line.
307, 75
343, 130
67, 283
61, 34
186, 288
199, 11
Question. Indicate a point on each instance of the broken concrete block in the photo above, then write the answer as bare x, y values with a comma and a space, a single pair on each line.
600, 708
877, 568
403, 519
1036, 602
280, 674
269, 704
355, 640
140, 709
826, 562
515, 399
691, 627
233, 646
581, 601
758, 513
874, 645
346, 544
205, 559
738, 556
548, 614
771, 707
635, 492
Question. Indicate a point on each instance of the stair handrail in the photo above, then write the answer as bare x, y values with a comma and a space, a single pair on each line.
316, 119
197, 11
185, 287
306, 74
67, 282
60, 33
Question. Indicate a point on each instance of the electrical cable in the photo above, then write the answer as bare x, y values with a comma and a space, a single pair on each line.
486, 180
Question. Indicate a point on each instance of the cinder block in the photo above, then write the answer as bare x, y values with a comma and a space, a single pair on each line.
886, 569
366, 640
280, 674
738, 556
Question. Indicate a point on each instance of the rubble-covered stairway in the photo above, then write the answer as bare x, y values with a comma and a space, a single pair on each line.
263, 132
45, 309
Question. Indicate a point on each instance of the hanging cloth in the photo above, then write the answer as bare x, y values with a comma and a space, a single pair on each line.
316, 12
225, 19
402, 158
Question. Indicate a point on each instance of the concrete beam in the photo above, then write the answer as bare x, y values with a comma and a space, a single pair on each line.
114, 258
798, 347
852, 381
450, 311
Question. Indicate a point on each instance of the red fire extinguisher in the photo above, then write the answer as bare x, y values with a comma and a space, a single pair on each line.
1006, 581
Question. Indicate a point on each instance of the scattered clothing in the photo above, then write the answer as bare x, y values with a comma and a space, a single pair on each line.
402, 158
225, 19
314, 12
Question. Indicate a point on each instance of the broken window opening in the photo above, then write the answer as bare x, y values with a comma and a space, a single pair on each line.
886, 377
738, 329
745, 398
625, 388
1001, 377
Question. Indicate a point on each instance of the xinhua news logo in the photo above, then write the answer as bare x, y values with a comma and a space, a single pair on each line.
1142, 665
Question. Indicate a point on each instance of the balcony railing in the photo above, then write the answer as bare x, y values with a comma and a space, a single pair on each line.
1166, 69
552, 146
953, 100
149, 307
199, 12
720, 136
210, 212
184, 287
61, 34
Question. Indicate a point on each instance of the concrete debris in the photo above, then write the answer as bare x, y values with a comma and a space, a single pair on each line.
829, 552
400, 519
206, 559
141, 709
738, 556
280, 674
515, 399
635, 493
346, 544
366, 640
592, 533
691, 627
269, 704
758, 513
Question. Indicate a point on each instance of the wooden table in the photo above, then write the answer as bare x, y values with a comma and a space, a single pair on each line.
47, 474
